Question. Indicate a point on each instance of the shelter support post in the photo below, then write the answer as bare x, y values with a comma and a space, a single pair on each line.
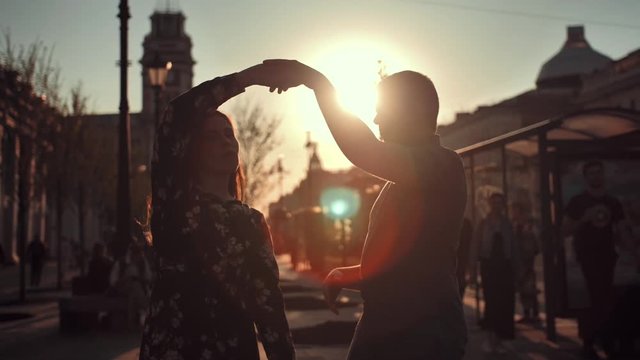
547, 238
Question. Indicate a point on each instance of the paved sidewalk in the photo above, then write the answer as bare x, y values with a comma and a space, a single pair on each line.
530, 342
37, 337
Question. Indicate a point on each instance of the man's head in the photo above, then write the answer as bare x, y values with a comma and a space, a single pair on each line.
593, 172
407, 107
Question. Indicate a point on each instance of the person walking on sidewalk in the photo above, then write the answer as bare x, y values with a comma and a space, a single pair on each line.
526, 241
37, 254
495, 248
407, 274
217, 278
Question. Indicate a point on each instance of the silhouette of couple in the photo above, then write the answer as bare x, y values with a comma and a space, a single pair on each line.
217, 276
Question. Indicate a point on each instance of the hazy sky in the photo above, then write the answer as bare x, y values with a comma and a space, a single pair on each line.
476, 51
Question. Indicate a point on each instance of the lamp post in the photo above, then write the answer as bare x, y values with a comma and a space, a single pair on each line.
157, 71
123, 222
280, 170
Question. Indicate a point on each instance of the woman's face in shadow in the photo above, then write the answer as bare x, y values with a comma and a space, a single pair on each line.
218, 147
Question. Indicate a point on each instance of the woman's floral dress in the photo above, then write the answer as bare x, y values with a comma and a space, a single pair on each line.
217, 277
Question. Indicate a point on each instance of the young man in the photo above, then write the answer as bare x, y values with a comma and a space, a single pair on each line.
407, 274
594, 218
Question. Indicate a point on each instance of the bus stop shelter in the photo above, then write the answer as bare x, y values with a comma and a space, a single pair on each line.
533, 163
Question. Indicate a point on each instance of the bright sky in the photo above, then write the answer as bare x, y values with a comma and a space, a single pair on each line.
476, 51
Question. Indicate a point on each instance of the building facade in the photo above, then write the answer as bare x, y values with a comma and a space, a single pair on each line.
576, 78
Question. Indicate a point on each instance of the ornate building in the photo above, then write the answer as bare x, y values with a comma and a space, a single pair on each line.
577, 77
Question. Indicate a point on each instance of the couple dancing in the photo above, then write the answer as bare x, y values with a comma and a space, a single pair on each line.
217, 275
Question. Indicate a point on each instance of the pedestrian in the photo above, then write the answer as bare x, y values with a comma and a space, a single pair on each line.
131, 277
99, 270
217, 275
315, 237
526, 241
407, 274
37, 254
495, 249
594, 219
3, 259
282, 228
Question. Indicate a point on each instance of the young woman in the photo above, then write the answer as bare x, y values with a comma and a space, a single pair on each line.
217, 275
407, 274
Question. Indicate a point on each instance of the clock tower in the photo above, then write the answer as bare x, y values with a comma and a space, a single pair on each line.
167, 41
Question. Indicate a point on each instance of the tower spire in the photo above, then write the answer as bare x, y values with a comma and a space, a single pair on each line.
167, 6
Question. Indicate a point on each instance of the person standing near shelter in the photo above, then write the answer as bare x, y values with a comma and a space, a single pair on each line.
37, 254
495, 248
526, 242
594, 220
407, 274
464, 249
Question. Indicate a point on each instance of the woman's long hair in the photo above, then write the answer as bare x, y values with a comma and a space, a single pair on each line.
236, 180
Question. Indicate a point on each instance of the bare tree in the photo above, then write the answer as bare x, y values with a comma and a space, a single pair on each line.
36, 83
70, 155
257, 134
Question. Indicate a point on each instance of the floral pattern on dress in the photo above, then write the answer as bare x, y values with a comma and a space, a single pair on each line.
217, 277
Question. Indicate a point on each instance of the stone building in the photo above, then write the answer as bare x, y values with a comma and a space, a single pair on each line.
576, 78
167, 41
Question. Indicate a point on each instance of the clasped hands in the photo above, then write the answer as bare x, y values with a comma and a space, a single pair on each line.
280, 75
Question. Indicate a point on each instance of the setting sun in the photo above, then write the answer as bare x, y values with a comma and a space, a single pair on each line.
355, 68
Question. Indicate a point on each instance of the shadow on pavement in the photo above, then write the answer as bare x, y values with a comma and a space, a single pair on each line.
287, 288
314, 303
54, 346
327, 333
13, 316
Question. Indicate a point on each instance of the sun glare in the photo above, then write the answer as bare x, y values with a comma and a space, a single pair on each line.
354, 68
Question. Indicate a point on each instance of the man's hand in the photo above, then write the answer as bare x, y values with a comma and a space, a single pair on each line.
331, 287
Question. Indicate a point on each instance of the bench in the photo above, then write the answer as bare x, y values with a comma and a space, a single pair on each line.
82, 312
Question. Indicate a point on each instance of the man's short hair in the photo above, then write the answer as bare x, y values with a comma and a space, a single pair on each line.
412, 91
590, 165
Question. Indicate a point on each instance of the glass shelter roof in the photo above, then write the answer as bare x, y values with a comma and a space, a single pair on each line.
596, 125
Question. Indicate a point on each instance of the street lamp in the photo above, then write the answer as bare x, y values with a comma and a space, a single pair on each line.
280, 171
123, 223
158, 71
